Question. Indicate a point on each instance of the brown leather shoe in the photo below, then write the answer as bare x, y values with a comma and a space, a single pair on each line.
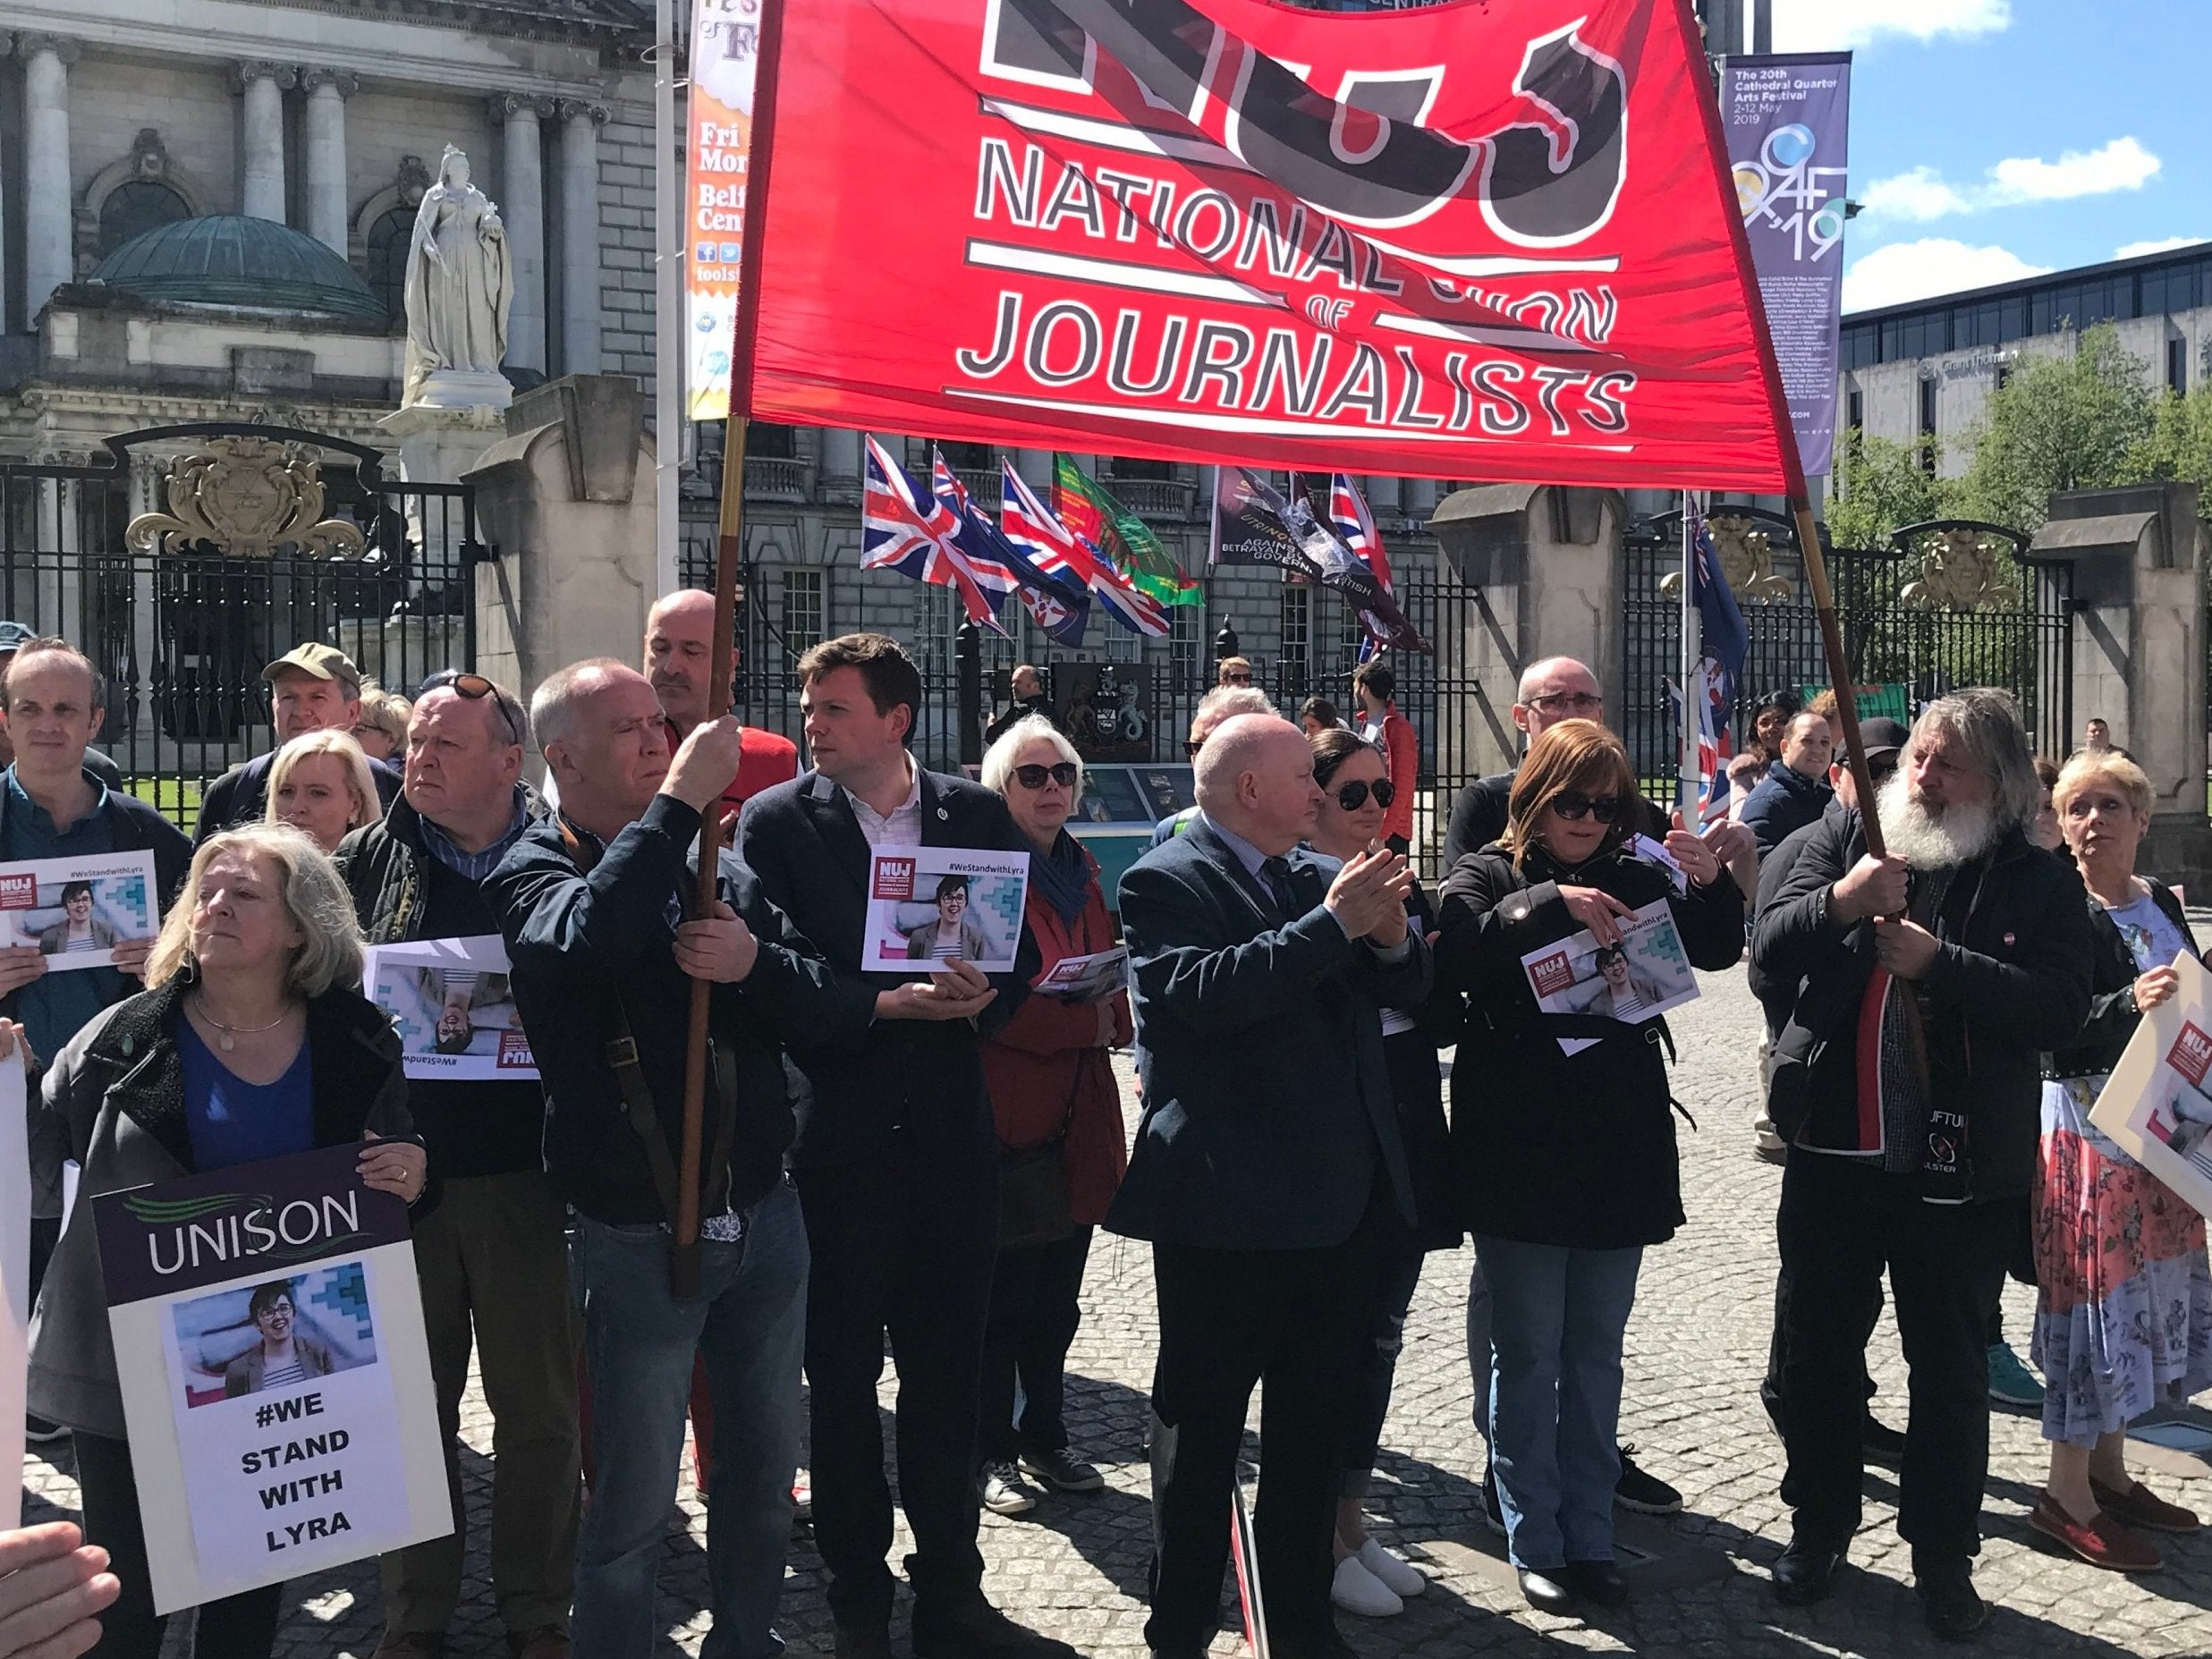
547, 1642
2138, 1507
411, 1644
2101, 1541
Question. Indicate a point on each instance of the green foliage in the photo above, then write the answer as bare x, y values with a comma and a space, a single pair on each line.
1885, 485
2179, 447
2061, 423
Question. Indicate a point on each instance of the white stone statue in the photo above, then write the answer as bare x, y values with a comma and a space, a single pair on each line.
459, 286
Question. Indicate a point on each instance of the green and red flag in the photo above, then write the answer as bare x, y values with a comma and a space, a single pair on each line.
1088, 508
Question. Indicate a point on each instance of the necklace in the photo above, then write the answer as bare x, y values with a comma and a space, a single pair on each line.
227, 1040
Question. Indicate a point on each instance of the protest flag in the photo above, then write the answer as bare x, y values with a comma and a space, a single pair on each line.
1091, 511
1060, 607
903, 534
1254, 524
1355, 528
1057, 550
1724, 641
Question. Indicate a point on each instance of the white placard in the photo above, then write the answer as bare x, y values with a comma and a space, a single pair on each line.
2156, 1105
1647, 974
453, 1007
275, 1374
77, 910
927, 903
1090, 979
14, 1282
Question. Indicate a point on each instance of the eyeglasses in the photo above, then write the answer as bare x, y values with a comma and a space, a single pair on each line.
1191, 747
1035, 777
1571, 807
1575, 702
475, 687
1236, 679
1352, 796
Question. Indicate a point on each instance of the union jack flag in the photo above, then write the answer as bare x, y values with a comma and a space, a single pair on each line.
1355, 528
921, 540
1061, 606
1059, 551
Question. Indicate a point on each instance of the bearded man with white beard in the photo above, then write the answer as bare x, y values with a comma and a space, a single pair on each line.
1929, 982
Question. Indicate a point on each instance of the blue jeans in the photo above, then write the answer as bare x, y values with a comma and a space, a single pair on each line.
748, 1323
1398, 1276
1557, 1315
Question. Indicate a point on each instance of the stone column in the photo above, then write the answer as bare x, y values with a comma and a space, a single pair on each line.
49, 238
840, 464
523, 206
1418, 497
327, 90
262, 152
579, 235
1383, 495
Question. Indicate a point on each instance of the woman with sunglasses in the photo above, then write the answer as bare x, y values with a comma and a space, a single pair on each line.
1356, 796
1058, 1111
1565, 1165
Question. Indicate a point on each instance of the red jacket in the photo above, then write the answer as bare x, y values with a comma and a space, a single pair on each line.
1401, 751
764, 759
1047, 1059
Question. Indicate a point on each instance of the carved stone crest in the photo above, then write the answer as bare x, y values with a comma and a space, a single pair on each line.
250, 497
1959, 571
1746, 560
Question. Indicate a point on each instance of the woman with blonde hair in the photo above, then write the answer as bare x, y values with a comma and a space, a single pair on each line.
2123, 1311
1563, 1163
321, 785
382, 729
251, 1041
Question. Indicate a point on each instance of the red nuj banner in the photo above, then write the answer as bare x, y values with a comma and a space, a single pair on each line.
1472, 240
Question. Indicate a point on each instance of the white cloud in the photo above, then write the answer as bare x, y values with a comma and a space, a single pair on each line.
1924, 194
2122, 165
1830, 25
1934, 265
2165, 245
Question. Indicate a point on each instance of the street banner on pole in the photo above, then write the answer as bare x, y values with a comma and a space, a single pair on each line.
1788, 125
1457, 242
726, 53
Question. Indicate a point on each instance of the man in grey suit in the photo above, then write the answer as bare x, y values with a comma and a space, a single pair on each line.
1266, 1167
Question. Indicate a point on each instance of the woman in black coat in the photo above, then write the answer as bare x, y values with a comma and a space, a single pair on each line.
1565, 1164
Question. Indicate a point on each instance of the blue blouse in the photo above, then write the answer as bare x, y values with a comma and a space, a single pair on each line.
231, 1120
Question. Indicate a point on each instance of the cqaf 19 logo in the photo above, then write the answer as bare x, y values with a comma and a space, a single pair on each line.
1788, 193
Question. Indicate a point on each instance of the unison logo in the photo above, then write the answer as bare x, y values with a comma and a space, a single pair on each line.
223, 1228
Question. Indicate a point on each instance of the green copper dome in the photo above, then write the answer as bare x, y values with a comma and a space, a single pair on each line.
230, 260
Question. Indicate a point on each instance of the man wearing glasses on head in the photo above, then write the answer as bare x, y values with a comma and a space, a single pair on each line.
491, 1256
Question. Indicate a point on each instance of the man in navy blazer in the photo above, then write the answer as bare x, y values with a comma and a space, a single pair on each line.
896, 1160
1266, 1167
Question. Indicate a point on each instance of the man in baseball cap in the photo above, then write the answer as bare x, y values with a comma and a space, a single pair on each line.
312, 688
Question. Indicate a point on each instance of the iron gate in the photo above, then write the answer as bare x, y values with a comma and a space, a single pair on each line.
2021, 638
187, 557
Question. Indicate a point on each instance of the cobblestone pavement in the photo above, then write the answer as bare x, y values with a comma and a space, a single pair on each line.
1696, 1349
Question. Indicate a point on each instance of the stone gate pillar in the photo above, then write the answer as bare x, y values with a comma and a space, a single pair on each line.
566, 502
2139, 558
1546, 564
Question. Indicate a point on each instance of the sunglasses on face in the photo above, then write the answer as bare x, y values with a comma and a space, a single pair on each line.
474, 687
1236, 679
1035, 777
1352, 796
1572, 807
1191, 747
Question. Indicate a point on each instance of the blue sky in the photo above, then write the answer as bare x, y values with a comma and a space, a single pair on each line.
1995, 139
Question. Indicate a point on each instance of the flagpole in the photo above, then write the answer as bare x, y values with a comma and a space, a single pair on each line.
683, 1257
668, 336
1690, 771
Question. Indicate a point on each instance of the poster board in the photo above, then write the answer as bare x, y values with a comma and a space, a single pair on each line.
451, 1003
273, 1436
76, 911
1649, 975
1090, 978
927, 903
2156, 1105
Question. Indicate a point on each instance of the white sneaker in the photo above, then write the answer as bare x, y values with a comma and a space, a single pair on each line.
1355, 1590
1004, 1491
1397, 1575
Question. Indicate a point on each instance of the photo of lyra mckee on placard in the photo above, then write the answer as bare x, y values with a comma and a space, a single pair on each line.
928, 905
449, 1003
77, 910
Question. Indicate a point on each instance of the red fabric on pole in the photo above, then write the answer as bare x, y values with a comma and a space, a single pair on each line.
1469, 241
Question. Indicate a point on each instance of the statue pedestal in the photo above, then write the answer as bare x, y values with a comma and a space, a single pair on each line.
437, 446
463, 390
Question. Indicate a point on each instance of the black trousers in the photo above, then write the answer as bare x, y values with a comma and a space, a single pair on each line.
900, 1248
237, 1627
1301, 1320
1036, 1306
1839, 1225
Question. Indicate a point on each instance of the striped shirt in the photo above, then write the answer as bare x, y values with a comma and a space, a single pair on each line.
284, 1376
475, 865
